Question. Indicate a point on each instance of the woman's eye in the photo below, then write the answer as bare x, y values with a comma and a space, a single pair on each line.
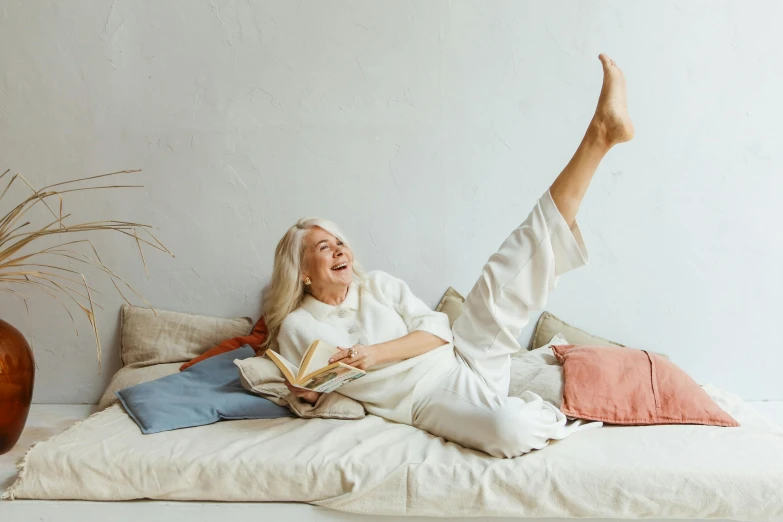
323, 247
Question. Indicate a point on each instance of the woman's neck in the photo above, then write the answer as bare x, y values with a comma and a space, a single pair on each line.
331, 296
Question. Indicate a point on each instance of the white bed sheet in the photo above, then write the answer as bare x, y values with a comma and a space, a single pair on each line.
373, 466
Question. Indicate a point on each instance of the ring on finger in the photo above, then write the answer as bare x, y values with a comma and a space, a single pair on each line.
352, 353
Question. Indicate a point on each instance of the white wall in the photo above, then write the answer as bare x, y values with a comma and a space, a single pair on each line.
427, 129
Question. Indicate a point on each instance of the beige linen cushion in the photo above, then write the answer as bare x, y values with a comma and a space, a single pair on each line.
260, 375
154, 346
169, 337
549, 325
451, 304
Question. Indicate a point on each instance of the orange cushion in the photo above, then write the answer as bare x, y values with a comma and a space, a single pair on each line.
632, 387
254, 339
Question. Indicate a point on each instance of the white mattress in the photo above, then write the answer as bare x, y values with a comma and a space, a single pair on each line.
374, 466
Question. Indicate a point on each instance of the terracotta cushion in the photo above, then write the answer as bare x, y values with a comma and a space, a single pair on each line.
632, 387
255, 338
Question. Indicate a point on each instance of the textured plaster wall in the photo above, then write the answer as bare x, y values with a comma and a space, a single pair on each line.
427, 129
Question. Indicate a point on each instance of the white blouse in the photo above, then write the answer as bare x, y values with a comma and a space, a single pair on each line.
377, 309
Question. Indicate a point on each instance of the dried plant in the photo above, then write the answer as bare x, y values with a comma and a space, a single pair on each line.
26, 264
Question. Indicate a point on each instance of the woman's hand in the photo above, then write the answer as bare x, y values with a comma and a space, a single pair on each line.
363, 356
305, 395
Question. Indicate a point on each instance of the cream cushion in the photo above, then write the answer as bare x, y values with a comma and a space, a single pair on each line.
260, 375
539, 372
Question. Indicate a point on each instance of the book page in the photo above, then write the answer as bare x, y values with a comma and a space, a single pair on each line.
289, 370
316, 357
330, 380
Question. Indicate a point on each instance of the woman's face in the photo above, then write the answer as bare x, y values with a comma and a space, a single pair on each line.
327, 261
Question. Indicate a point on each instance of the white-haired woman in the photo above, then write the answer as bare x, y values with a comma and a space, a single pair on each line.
451, 382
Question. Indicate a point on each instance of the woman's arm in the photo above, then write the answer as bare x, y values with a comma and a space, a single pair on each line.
427, 329
405, 347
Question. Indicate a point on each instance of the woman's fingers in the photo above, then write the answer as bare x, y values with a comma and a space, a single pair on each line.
342, 354
293, 389
356, 362
305, 395
360, 354
356, 359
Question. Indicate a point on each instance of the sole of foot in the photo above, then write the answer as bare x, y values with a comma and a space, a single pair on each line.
611, 120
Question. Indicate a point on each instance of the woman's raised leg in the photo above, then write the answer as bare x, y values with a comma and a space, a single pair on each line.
610, 125
518, 277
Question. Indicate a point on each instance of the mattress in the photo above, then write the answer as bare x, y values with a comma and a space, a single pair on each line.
374, 466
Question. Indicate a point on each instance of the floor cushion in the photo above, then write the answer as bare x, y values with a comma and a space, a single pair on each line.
374, 466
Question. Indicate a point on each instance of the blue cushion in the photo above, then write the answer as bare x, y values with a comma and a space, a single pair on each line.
202, 394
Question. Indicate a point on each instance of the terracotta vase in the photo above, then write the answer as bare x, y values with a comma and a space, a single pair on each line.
17, 375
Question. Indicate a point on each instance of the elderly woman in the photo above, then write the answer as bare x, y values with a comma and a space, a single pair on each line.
451, 382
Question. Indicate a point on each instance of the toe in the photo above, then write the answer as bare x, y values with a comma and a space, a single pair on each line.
608, 65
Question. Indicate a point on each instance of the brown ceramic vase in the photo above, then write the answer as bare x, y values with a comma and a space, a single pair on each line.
17, 375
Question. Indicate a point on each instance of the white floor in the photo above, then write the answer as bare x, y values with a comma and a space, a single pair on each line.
47, 420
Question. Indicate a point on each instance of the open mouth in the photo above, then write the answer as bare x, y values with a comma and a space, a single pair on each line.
339, 267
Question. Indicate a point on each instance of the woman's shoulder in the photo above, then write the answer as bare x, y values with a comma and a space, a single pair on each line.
378, 280
379, 277
384, 286
295, 319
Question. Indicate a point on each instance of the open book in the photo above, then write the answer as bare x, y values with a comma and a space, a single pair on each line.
314, 372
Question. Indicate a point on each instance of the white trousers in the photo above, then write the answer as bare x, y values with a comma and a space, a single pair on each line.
470, 405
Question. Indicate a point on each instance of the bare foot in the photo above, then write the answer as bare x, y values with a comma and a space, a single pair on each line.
611, 120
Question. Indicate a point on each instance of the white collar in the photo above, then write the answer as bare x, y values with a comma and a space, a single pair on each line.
321, 310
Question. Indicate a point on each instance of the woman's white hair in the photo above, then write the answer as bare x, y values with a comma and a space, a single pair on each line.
286, 290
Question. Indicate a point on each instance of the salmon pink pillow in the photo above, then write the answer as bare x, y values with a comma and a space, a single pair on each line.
632, 387
254, 339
